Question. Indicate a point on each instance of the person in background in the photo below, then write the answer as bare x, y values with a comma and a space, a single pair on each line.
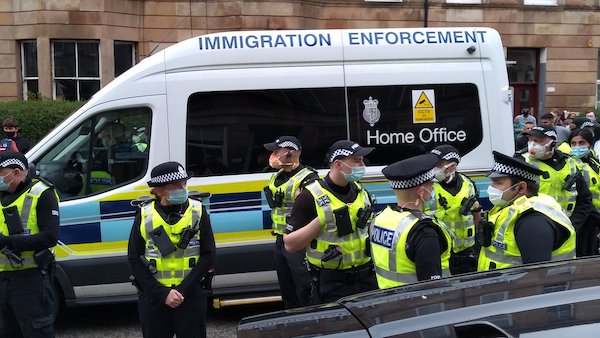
581, 148
11, 129
521, 141
559, 117
524, 117
591, 115
562, 133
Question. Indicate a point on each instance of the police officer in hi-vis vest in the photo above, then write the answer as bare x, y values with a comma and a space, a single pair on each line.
330, 219
524, 226
563, 179
455, 204
284, 186
407, 244
29, 224
171, 250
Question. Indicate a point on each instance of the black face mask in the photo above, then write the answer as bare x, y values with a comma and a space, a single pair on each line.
10, 134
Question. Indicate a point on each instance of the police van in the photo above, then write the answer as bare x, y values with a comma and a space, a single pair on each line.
212, 101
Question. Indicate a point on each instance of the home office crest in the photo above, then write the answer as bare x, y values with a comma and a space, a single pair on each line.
371, 113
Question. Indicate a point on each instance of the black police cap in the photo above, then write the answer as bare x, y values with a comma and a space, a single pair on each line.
505, 165
446, 152
284, 142
345, 148
167, 173
542, 131
411, 172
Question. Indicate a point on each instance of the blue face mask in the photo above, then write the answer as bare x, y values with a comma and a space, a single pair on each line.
430, 201
356, 174
4, 185
580, 151
178, 196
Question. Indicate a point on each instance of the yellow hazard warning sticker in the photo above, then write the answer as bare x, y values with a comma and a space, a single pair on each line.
423, 103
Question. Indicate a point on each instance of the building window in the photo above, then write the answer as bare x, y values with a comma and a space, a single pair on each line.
29, 70
76, 69
124, 56
540, 2
463, 1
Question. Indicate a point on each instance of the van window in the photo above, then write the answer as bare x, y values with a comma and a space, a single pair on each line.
226, 130
403, 121
107, 150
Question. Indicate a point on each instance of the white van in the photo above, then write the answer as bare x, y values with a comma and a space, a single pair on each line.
212, 101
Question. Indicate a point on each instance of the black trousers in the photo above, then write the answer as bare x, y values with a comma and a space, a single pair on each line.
26, 304
293, 275
188, 320
335, 284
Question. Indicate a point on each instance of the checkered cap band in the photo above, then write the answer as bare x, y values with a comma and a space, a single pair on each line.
587, 124
340, 152
412, 182
13, 161
170, 177
549, 133
514, 171
289, 144
450, 156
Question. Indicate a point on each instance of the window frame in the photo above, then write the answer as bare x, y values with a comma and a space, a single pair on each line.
24, 77
540, 2
133, 54
76, 78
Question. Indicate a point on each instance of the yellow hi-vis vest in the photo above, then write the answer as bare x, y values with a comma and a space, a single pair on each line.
353, 246
27, 206
553, 184
279, 215
389, 232
174, 267
592, 178
504, 251
463, 227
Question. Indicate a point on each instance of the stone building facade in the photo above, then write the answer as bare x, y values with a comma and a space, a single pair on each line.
70, 49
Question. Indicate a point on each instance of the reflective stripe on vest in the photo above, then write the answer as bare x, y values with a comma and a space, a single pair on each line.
504, 251
553, 185
458, 224
279, 215
172, 269
353, 245
592, 178
389, 233
26, 205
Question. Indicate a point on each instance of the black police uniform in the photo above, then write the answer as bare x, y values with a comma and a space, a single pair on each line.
159, 320
27, 301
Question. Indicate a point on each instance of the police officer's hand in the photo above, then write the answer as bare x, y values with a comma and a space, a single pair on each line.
174, 298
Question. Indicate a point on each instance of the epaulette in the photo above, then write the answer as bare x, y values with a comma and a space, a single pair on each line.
45, 181
141, 201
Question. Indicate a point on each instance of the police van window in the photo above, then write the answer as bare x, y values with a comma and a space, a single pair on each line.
226, 130
403, 121
105, 151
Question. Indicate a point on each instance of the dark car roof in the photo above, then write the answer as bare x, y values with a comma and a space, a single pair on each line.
517, 301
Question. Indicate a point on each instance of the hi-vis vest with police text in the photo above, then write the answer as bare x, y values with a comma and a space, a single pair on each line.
448, 212
553, 184
504, 251
174, 267
592, 178
389, 233
354, 245
280, 214
26, 204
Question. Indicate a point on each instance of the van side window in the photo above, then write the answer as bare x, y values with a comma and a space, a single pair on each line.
403, 121
107, 150
226, 130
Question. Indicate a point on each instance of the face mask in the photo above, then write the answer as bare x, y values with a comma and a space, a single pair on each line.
356, 174
178, 196
440, 173
10, 134
136, 138
4, 185
495, 196
537, 150
429, 202
275, 161
580, 151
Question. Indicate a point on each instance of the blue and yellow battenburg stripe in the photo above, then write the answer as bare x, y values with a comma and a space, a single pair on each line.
239, 214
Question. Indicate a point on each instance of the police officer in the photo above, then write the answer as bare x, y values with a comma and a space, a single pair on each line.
524, 226
330, 219
284, 186
563, 179
171, 249
29, 225
455, 204
407, 244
